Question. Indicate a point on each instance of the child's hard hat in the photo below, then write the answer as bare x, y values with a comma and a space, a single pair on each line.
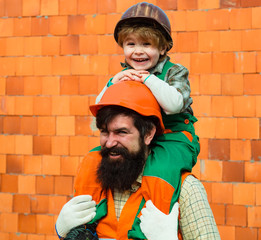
132, 95
146, 13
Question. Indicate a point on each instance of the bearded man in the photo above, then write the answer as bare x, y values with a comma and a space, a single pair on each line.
125, 188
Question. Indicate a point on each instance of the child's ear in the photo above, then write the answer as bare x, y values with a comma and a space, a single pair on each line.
163, 50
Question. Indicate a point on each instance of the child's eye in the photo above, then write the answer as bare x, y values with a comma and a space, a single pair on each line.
130, 43
146, 44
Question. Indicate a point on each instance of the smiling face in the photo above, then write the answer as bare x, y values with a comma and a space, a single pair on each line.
139, 53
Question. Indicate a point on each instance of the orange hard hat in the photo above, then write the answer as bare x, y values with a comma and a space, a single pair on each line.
132, 95
146, 13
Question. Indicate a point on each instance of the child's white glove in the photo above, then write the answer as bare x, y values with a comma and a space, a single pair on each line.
79, 210
156, 225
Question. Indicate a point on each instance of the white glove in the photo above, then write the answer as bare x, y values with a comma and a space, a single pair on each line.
156, 225
79, 210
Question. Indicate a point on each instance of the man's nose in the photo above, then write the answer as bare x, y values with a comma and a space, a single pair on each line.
111, 141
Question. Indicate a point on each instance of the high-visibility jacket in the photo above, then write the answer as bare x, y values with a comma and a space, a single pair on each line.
158, 184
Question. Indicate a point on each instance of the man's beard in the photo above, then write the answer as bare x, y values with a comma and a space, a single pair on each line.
122, 173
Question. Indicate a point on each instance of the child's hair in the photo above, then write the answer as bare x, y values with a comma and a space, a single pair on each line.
145, 32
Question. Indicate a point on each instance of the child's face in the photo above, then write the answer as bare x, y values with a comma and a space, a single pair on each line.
140, 54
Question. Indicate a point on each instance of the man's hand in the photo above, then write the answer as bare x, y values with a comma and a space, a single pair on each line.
79, 210
156, 225
130, 75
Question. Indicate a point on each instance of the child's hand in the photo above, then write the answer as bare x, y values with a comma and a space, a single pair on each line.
130, 75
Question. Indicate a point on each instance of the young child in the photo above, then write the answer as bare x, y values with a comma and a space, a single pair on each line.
144, 33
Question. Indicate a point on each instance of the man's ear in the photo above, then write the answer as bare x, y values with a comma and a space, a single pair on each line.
148, 137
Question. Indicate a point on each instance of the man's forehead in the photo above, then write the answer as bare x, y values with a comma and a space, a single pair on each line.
120, 121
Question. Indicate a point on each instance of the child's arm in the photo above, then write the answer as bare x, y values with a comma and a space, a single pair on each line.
173, 95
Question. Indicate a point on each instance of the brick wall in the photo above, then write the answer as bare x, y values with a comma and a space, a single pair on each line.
56, 55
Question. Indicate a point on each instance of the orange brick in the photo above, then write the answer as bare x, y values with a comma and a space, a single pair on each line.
40, 26
83, 125
195, 21
111, 21
106, 7
79, 145
42, 65
210, 84
223, 62
219, 149
256, 150
76, 24
88, 85
246, 233
196, 169
87, 7
56, 203
230, 41
211, 170
29, 125
6, 26
232, 84
123, 6
26, 184
250, 3
22, 26
244, 106
94, 141
42, 105
63, 185
67, 7
60, 105
69, 45
14, 164
2, 46
194, 85
44, 224
107, 45
208, 188
102, 81
240, 18
233, 3
40, 204
6, 202
50, 45
42, 145
51, 165
58, 25
9, 222
203, 149
50, 85
186, 4
254, 216
248, 128
24, 66
69, 85
45, 185
236, 215
244, 194
209, 41
206, 127
252, 84
49, 7
7, 144
204, 4
187, 42
2, 86
80, 65
7, 66
202, 106
79, 105
31, 7
88, 44
218, 19
14, 46
114, 66
252, 170
21, 203
32, 86
60, 145
258, 194
201, 63
61, 65
65, 125
11, 125
96, 24
23, 144
240, 150
99, 65
46, 125
32, 164
219, 213
227, 193
14, 86
2, 164
13, 8
27, 223
233, 171
33, 46
9, 183
258, 61
251, 40
69, 165
245, 62
256, 23
222, 106
4, 236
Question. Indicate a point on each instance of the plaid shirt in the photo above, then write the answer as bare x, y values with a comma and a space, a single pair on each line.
196, 218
